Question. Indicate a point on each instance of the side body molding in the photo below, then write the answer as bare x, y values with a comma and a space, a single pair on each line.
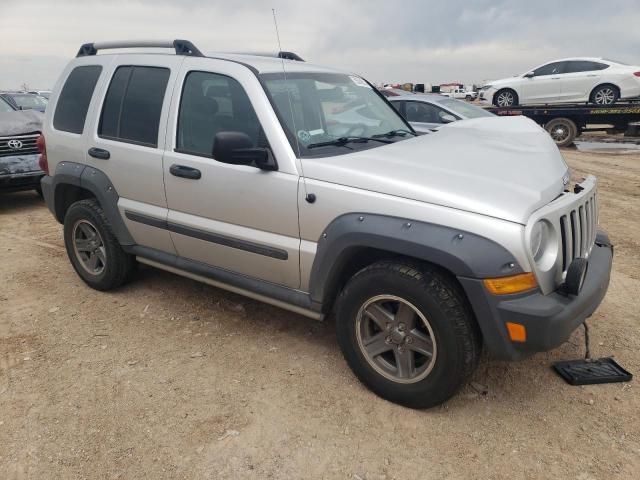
463, 253
95, 181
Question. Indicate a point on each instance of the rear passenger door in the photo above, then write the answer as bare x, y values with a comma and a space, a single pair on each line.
580, 77
127, 136
234, 217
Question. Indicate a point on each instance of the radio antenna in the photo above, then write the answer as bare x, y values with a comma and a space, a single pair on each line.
307, 196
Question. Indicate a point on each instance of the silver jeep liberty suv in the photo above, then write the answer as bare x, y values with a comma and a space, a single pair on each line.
302, 187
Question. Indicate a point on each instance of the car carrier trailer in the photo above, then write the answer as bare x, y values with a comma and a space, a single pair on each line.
566, 122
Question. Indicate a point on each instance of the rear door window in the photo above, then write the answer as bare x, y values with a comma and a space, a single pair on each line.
576, 66
133, 104
75, 97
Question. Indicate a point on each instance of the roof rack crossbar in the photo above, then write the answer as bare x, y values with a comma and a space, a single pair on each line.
285, 55
290, 56
182, 47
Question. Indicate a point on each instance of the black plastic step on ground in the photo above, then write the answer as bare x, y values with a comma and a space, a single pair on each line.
591, 372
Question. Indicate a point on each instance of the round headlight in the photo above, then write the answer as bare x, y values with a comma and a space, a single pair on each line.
539, 238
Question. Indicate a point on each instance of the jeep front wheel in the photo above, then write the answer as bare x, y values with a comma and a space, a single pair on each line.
92, 247
407, 333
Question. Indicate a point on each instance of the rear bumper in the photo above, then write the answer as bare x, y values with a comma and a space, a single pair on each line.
630, 88
19, 172
549, 319
20, 181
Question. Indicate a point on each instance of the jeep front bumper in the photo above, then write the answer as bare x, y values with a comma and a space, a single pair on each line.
550, 319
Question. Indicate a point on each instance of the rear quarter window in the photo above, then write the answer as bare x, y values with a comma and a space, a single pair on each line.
75, 97
133, 104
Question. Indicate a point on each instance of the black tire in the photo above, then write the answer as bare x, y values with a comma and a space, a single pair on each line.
115, 267
438, 299
563, 131
510, 98
605, 95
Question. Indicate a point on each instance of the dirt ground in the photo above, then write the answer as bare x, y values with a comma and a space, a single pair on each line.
168, 378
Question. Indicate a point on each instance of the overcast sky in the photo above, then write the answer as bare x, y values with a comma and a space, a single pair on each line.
386, 41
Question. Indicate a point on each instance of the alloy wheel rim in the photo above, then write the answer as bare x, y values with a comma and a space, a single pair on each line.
396, 339
89, 247
605, 96
505, 99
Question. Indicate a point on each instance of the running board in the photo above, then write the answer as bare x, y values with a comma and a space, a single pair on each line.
211, 276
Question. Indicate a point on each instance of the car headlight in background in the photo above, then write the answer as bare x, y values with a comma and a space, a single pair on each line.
486, 87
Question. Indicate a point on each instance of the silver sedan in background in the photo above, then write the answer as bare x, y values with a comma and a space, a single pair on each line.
427, 112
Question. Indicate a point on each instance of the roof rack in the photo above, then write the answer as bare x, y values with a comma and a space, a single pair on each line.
182, 47
290, 56
285, 55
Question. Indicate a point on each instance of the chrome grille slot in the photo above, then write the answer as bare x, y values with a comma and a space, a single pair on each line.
583, 232
575, 230
27, 142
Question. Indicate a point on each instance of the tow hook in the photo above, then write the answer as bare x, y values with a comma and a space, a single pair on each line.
605, 244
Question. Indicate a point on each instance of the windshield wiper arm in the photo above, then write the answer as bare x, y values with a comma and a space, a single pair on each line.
344, 140
395, 133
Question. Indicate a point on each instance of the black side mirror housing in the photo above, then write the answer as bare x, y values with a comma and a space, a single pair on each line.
237, 148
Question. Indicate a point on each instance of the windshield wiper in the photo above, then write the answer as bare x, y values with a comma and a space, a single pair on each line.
396, 133
342, 141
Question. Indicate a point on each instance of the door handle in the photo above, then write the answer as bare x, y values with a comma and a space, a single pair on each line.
100, 153
185, 172
592, 75
555, 78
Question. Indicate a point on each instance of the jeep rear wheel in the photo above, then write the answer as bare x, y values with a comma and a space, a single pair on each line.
407, 333
92, 247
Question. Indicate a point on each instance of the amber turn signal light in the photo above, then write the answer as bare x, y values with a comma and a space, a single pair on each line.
517, 332
512, 284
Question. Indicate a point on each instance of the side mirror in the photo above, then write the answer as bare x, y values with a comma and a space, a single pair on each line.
529, 75
237, 148
447, 118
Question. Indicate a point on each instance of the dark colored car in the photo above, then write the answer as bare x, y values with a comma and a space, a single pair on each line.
25, 101
19, 132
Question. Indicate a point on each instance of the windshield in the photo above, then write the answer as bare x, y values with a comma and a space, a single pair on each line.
464, 109
4, 106
27, 101
329, 106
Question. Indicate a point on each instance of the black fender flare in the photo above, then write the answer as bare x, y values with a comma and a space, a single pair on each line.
96, 182
462, 253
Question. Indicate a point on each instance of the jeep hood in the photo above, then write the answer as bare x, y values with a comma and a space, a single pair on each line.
501, 167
